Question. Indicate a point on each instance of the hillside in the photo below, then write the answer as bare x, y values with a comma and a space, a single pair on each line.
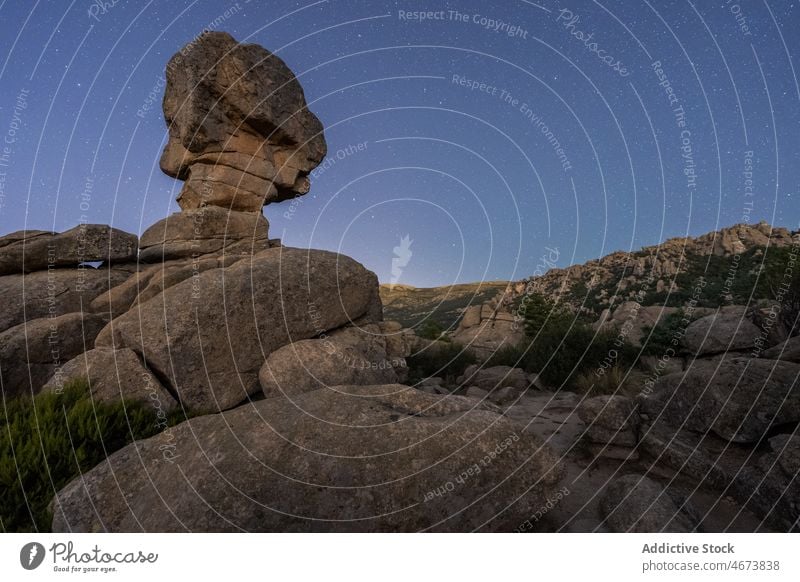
729, 261
442, 305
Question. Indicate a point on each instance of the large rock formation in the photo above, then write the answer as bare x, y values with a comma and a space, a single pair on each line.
240, 132
113, 375
737, 398
359, 458
356, 355
207, 336
32, 352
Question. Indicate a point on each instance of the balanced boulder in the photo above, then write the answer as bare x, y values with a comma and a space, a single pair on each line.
240, 132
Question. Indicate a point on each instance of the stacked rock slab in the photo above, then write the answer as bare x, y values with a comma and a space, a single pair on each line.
46, 290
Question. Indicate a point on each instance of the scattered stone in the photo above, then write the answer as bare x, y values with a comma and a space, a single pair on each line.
475, 392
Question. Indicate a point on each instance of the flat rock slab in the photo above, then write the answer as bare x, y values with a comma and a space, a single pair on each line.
357, 459
28, 251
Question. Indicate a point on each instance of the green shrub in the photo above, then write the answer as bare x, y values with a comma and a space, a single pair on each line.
591, 384
513, 356
539, 312
48, 440
446, 360
660, 338
431, 330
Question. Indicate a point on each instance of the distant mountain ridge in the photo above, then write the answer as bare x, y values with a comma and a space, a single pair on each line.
729, 260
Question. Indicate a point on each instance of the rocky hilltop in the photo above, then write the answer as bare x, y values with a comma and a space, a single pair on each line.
664, 274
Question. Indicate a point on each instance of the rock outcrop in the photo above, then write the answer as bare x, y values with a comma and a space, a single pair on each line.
486, 328
737, 398
36, 250
358, 458
208, 336
240, 132
31, 352
354, 355
113, 375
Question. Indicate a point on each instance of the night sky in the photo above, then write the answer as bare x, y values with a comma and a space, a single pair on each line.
487, 134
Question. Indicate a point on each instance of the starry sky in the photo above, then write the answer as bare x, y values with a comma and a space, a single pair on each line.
487, 135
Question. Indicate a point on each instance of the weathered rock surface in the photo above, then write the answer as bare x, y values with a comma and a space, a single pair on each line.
202, 231
207, 337
632, 320
240, 132
53, 293
610, 419
788, 350
113, 375
719, 333
354, 355
495, 377
31, 352
36, 250
488, 327
772, 487
637, 504
737, 398
364, 458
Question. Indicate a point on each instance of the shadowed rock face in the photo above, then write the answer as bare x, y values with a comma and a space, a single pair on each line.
240, 133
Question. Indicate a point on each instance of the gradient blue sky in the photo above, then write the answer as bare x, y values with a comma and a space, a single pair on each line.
475, 184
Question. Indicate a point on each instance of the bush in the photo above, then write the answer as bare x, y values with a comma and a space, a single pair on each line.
660, 338
540, 311
448, 360
591, 384
561, 347
432, 330
513, 356
48, 440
